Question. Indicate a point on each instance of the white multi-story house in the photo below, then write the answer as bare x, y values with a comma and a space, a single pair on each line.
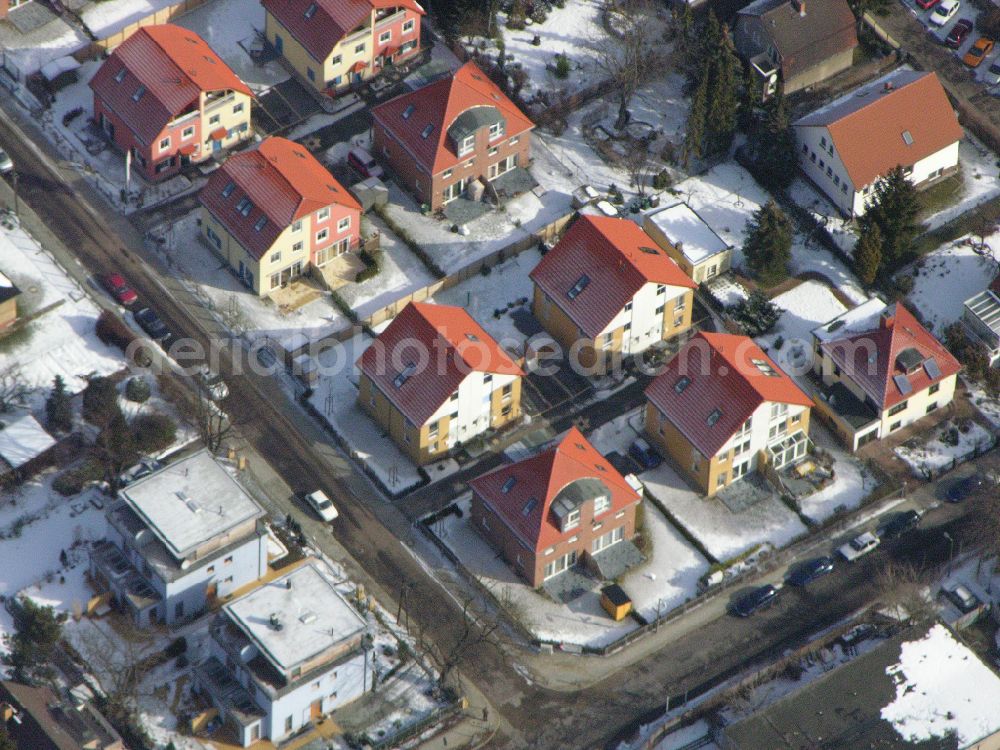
284, 655
434, 378
607, 289
180, 539
880, 370
901, 119
722, 408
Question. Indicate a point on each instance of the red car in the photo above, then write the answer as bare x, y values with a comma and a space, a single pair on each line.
925, 4
117, 288
958, 33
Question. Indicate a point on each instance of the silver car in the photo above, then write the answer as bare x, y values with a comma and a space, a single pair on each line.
6, 165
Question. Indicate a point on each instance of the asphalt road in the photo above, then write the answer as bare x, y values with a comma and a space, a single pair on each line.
592, 705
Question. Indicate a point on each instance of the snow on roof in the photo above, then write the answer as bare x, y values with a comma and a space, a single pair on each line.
4, 281
52, 70
942, 688
696, 240
190, 502
310, 616
22, 440
105, 19
864, 317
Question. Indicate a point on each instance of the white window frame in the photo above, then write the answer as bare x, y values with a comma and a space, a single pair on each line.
323, 214
276, 256
344, 224
602, 504
467, 145
322, 234
496, 131
408, 26
385, 36
164, 143
187, 132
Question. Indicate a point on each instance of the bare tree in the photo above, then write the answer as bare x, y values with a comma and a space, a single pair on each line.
904, 590
212, 423
475, 630
631, 53
639, 167
13, 389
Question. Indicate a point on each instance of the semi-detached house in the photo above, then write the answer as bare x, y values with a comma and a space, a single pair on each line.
444, 136
607, 289
902, 119
164, 97
722, 408
275, 212
434, 379
336, 44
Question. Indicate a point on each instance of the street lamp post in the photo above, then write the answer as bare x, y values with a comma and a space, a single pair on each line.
951, 549
17, 208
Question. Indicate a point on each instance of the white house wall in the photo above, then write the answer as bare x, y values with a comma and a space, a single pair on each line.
760, 428
647, 324
473, 405
808, 140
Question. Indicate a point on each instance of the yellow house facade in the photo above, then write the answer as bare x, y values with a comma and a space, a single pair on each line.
689, 241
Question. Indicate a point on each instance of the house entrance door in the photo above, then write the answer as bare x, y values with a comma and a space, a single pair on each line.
316, 709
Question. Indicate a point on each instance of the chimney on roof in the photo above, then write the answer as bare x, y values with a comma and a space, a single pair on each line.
800, 6
887, 320
887, 87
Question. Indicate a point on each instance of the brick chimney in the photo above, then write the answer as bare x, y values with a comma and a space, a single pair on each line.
887, 320
800, 6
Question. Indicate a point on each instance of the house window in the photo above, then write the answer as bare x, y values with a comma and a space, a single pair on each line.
297, 247
720, 481
276, 256
310, 11
822, 164
561, 564
261, 223
244, 206
778, 410
901, 406
606, 540
164, 143
139, 93
120, 76
385, 36
894, 426
572, 519
805, 148
359, 49
494, 150
216, 240
822, 142
210, 569
344, 224
297, 226
507, 391
496, 130
228, 560
829, 171
310, 74
602, 504
513, 141
628, 305
288, 723
408, 26
237, 108
934, 389
446, 174
214, 119
187, 132
323, 215
408, 112
932, 407
467, 144
322, 234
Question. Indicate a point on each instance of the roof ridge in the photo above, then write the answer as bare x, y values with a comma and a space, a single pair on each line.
888, 94
149, 35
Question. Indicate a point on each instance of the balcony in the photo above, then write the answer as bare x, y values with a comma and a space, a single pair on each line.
229, 696
125, 581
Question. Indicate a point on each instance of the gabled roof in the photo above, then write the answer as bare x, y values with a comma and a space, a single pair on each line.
573, 468
805, 40
715, 384
283, 182
877, 359
437, 106
614, 259
896, 120
425, 353
319, 25
166, 68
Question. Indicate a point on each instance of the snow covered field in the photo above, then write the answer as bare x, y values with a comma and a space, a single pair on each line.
335, 397
944, 279
852, 482
979, 182
806, 306
988, 407
723, 533
935, 454
60, 342
235, 305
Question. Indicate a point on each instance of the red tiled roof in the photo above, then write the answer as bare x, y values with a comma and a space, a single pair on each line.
331, 20
438, 105
722, 377
444, 343
542, 477
868, 129
282, 180
174, 66
617, 256
869, 358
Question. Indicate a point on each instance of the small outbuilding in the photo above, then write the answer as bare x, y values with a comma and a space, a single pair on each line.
616, 602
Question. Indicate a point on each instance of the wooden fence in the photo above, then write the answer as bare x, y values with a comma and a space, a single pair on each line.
163, 15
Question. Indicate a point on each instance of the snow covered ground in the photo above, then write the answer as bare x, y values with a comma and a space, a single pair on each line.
988, 407
234, 304
944, 279
36, 525
852, 482
979, 182
335, 397
935, 454
452, 251
942, 690
724, 534
506, 286
400, 273
805, 194
582, 621
806, 306
727, 290
60, 342
225, 24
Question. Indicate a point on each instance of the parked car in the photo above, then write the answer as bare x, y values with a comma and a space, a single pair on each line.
927, 4
267, 359
323, 505
6, 165
899, 524
944, 11
144, 468
978, 52
364, 163
962, 28
810, 570
150, 322
643, 452
755, 600
961, 489
962, 598
117, 288
860, 545
212, 383
992, 76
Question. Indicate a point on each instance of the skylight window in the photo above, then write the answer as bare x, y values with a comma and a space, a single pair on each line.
714, 417
425, 133
408, 111
120, 76
139, 93
310, 11
472, 337
228, 189
907, 138
261, 223
764, 367
578, 287
682, 382
244, 206
529, 506
649, 250
404, 375
508, 485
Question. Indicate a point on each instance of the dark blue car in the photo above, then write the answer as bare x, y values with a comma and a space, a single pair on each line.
754, 600
644, 454
809, 571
